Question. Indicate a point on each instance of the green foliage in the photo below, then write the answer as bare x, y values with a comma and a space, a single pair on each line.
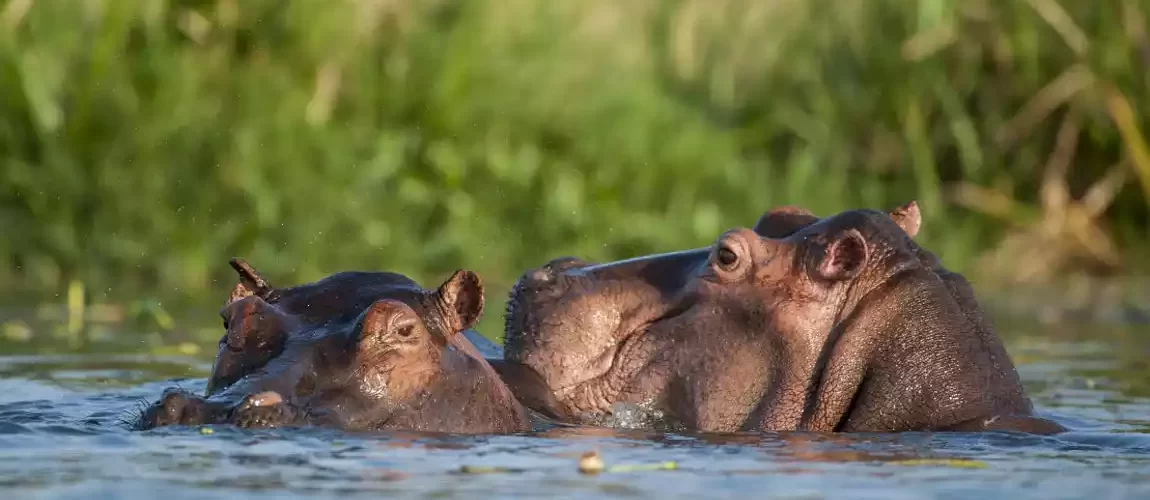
144, 142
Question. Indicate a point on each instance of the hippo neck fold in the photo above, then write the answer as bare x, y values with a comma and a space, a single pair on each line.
909, 321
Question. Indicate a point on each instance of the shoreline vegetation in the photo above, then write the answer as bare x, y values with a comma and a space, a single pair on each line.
143, 143
76, 323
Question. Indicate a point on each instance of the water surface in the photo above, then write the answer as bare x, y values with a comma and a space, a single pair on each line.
61, 437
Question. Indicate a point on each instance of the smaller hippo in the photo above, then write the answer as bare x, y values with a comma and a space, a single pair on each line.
259, 318
299, 356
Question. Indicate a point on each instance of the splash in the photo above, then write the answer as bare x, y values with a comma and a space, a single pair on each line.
636, 416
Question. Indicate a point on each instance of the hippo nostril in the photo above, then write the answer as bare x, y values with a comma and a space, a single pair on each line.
542, 275
172, 395
561, 264
173, 406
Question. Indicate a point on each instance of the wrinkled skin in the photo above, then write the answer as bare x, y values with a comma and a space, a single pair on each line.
837, 324
356, 350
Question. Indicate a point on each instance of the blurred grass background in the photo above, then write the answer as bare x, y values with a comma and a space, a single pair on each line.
144, 142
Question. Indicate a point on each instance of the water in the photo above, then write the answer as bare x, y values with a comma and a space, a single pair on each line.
60, 438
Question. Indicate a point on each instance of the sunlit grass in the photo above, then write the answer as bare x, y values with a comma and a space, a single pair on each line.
144, 142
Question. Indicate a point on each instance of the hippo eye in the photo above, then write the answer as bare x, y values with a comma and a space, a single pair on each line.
727, 257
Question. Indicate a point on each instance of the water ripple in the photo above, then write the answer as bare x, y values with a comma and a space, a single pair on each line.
61, 436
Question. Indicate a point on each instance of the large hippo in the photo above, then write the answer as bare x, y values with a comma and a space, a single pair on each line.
835, 324
355, 350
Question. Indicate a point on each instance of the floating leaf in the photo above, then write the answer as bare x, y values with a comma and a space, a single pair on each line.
669, 465
945, 462
483, 469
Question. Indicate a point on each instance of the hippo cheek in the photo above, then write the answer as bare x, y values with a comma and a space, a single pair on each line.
569, 358
571, 344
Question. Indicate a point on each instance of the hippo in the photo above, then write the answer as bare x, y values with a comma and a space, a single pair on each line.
836, 324
356, 350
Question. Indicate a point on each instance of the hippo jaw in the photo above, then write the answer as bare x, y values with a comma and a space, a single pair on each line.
579, 338
553, 382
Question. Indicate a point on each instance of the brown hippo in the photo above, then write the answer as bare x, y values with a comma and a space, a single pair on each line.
835, 324
355, 350
259, 318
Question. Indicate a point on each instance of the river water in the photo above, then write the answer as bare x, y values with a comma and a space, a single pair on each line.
61, 437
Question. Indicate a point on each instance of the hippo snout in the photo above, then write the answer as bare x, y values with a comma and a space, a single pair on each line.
537, 287
549, 271
539, 276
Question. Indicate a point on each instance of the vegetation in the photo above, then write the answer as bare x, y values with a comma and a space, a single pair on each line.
144, 142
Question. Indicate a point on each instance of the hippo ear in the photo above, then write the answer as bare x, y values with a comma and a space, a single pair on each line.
844, 257
908, 217
782, 221
250, 281
461, 296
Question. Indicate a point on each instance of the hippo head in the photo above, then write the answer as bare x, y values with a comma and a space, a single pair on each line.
842, 323
356, 350
408, 365
259, 318
580, 337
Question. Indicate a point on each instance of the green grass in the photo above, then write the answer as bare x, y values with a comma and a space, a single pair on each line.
144, 142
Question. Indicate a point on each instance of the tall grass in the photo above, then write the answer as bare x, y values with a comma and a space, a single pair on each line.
143, 142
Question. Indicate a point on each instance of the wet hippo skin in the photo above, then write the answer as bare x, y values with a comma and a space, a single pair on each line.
355, 350
841, 324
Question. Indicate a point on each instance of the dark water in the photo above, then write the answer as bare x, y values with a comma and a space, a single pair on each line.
60, 438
